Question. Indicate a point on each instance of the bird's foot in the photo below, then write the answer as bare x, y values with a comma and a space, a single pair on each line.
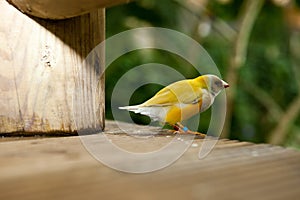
179, 128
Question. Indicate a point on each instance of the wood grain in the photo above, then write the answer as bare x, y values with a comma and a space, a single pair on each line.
61, 168
62, 9
42, 78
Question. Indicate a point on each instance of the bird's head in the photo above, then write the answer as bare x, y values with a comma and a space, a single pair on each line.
215, 84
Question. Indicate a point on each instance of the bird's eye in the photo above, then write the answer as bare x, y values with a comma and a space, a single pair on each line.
218, 84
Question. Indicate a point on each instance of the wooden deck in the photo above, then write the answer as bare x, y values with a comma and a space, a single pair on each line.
61, 168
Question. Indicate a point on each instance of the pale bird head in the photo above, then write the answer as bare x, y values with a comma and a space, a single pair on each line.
215, 84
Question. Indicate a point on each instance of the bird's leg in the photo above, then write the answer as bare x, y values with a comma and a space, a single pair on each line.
184, 130
178, 128
173, 131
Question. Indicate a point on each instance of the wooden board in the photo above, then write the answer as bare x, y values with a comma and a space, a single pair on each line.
61, 168
44, 87
61, 9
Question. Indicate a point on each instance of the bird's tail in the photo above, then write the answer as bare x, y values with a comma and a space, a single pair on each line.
155, 113
130, 108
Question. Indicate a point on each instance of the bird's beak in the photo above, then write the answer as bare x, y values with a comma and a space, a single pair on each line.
226, 85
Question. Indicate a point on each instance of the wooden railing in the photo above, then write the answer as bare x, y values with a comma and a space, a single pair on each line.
61, 168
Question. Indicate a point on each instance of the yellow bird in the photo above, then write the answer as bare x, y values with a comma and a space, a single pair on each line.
181, 100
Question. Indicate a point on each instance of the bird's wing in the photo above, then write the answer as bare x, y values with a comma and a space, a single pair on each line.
178, 92
164, 97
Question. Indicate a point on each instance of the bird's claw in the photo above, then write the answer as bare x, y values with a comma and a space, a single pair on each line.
180, 129
201, 135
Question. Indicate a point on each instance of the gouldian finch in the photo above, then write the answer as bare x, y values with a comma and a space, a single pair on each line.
181, 100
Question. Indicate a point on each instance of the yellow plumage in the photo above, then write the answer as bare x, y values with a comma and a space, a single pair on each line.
181, 100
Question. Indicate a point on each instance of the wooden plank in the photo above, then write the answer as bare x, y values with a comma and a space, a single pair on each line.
61, 168
61, 9
42, 79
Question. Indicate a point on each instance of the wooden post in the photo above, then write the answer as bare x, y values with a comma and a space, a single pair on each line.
41, 73
61, 9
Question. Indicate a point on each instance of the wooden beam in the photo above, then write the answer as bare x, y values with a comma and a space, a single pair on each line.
44, 88
61, 9
61, 168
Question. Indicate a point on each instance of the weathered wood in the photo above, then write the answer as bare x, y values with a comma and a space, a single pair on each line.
61, 168
42, 80
61, 9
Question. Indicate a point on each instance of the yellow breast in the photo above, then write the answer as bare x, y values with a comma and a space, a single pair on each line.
178, 113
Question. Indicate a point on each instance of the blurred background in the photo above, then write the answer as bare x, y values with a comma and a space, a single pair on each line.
254, 43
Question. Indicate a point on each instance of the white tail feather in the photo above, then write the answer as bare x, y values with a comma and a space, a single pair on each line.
155, 113
130, 108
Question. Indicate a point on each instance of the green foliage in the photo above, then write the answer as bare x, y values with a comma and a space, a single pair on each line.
268, 68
